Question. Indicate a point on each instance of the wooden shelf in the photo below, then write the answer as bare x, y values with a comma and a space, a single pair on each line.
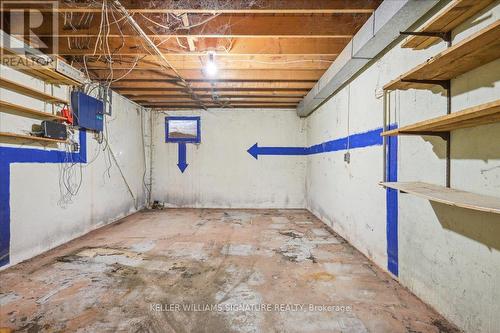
478, 115
448, 196
30, 67
6, 107
28, 91
29, 137
476, 50
457, 12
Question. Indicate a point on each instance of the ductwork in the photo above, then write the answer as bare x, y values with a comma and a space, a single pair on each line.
380, 31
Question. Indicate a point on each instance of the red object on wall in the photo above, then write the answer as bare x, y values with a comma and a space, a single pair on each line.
66, 113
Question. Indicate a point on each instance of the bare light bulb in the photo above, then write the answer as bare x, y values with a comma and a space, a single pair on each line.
210, 66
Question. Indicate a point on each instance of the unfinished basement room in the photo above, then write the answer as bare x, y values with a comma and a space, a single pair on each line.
250, 166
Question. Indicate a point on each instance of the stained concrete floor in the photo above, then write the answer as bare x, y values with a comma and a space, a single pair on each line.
199, 270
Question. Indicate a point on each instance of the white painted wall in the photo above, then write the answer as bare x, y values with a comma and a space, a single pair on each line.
221, 173
449, 257
39, 220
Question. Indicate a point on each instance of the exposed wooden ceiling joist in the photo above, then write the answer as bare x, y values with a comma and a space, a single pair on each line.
238, 46
209, 96
169, 107
243, 75
269, 53
235, 6
217, 85
227, 26
226, 105
189, 61
215, 97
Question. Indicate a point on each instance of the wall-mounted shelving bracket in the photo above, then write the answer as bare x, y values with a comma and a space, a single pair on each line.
443, 135
444, 35
443, 83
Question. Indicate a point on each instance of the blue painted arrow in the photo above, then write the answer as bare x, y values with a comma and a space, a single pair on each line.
360, 140
182, 157
255, 151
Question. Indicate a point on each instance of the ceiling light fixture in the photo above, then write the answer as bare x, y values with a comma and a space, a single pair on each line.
210, 66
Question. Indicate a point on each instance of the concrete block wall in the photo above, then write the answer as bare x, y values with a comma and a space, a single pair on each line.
221, 173
449, 257
39, 218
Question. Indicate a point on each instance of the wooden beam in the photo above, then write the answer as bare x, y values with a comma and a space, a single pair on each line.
152, 92
218, 106
242, 95
218, 102
244, 100
224, 62
236, 6
226, 26
216, 85
185, 23
207, 90
194, 107
243, 75
239, 46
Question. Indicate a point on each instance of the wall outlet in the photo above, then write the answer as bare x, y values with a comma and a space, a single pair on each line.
347, 157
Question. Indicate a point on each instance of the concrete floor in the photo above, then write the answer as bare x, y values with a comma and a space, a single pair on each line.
163, 271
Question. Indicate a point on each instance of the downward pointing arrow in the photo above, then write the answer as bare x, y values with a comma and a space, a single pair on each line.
182, 157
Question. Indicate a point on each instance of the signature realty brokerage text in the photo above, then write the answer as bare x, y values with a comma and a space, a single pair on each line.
260, 307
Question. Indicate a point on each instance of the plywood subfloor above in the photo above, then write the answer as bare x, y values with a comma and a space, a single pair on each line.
478, 115
448, 196
457, 12
474, 51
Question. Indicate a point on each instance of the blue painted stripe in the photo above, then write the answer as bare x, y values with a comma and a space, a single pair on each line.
392, 206
27, 155
359, 140
9, 155
4, 212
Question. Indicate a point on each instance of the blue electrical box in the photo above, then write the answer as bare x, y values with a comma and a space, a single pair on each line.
88, 112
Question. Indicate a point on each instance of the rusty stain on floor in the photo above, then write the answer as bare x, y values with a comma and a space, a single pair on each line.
209, 270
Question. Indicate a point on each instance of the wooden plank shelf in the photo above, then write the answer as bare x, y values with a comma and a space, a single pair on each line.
9, 107
474, 51
28, 91
29, 137
477, 115
454, 14
448, 196
26, 65
32, 68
